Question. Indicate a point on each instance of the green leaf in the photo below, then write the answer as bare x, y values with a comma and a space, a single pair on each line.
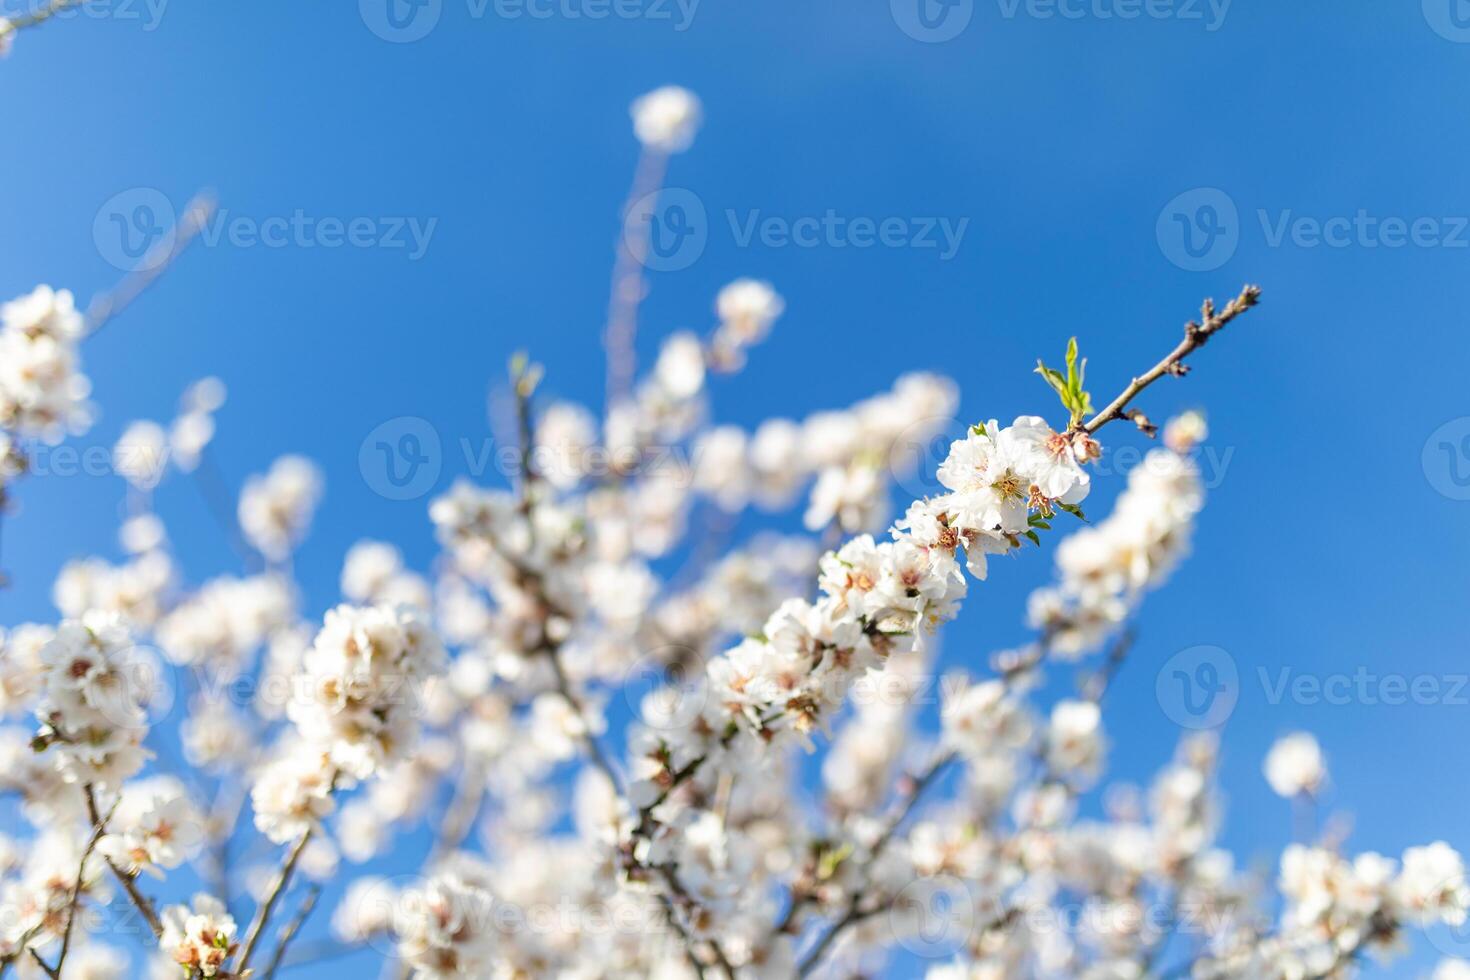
1053, 378
1035, 538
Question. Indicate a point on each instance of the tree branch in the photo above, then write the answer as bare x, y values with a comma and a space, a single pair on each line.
153, 265
263, 914
1195, 336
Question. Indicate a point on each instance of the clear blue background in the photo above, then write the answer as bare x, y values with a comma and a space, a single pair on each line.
1325, 547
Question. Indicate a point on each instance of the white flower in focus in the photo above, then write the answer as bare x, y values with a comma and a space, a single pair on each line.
666, 119
200, 936
1295, 765
156, 825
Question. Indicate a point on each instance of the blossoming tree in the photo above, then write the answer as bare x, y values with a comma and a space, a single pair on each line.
472, 706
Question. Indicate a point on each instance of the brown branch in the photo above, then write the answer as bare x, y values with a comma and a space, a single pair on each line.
9, 25
99, 828
628, 282
1195, 335
459, 816
678, 892
128, 881
1097, 685
292, 928
278, 888
153, 265
914, 787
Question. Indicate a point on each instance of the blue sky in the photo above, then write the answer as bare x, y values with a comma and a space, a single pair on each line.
1109, 171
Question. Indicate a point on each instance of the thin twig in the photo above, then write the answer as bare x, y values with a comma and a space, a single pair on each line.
678, 894
903, 807
154, 264
128, 881
1096, 686
459, 817
278, 887
292, 928
98, 829
1195, 335
627, 280
9, 25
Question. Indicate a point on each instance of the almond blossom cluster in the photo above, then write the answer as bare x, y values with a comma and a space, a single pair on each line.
620, 726
1104, 570
43, 393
